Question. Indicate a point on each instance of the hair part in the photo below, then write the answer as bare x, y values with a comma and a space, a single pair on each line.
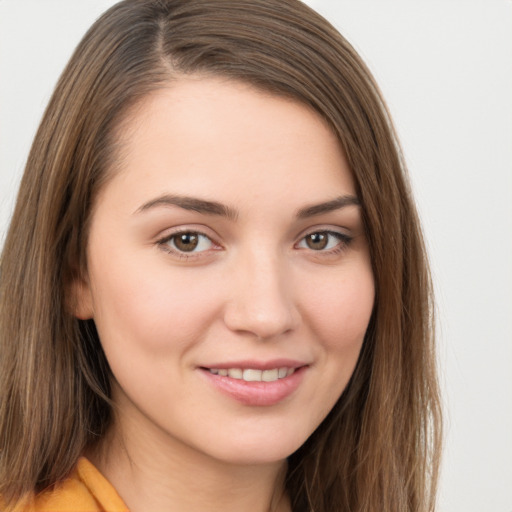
379, 447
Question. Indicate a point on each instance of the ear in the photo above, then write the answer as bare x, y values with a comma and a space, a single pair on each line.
79, 298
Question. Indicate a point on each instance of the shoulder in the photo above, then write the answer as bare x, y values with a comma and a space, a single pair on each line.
86, 490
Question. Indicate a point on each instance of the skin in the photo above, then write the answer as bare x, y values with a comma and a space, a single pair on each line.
253, 289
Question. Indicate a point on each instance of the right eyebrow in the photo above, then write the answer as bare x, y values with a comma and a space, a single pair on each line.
328, 206
190, 203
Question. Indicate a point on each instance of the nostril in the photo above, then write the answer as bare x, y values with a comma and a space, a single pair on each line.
263, 325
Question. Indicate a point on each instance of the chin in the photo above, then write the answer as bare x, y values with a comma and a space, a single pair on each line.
261, 448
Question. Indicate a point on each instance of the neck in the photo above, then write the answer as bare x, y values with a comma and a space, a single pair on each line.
154, 472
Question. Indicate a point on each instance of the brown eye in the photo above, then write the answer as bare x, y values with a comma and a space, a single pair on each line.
186, 242
324, 241
317, 241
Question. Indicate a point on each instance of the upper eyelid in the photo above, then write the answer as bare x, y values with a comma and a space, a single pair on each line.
337, 234
170, 236
336, 230
168, 233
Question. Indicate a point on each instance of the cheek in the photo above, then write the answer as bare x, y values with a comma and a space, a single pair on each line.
158, 310
337, 314
340, 309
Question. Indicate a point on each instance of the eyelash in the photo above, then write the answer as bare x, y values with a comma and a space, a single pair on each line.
343, 242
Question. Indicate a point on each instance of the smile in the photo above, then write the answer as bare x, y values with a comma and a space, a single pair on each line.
256, 384
253, 374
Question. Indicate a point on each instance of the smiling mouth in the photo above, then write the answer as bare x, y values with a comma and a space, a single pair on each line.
263, 384
253, 374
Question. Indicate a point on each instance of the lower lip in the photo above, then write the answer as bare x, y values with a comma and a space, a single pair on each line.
257, 393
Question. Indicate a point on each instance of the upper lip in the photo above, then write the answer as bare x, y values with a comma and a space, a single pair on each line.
257, 365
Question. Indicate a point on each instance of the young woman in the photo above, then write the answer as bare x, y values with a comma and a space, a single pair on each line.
214, 291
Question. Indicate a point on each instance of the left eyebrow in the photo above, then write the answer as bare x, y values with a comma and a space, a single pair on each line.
191, 203
328, 206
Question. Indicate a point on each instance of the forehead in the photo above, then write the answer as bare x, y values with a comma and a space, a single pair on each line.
217, 136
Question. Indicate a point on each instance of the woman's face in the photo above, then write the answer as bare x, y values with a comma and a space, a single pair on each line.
228, 272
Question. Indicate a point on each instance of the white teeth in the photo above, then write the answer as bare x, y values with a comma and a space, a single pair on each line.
235, 373
252, 374
270, 375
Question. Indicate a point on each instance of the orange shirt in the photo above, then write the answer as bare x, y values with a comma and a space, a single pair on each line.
86, 490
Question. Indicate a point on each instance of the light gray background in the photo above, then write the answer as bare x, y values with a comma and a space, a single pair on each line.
445, 67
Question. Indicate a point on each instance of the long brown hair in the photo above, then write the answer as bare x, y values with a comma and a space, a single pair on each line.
378, 450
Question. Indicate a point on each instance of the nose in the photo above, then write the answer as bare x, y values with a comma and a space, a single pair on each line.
261, 302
